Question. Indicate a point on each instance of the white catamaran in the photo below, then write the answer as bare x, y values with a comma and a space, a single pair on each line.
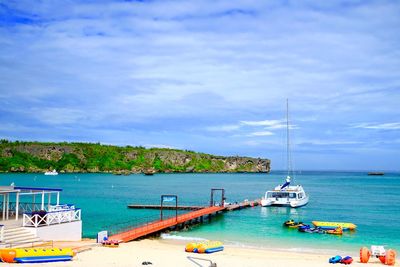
286, 195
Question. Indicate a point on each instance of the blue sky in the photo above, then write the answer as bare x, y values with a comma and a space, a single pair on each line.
210, 76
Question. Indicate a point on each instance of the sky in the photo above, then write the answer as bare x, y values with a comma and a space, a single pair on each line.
210, 76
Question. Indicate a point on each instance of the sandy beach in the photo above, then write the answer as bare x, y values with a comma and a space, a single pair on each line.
164, 253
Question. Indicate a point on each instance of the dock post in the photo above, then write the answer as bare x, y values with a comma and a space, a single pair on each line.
169, 198
222, 196
161, 205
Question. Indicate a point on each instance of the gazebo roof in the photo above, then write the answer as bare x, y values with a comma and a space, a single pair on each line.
8, 189
37, 189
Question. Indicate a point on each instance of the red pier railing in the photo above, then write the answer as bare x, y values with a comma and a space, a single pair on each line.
159, 225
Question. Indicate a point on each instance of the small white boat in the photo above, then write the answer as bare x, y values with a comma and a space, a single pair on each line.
286, 195
53, 172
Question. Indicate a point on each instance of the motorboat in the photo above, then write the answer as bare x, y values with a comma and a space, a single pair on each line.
53, 172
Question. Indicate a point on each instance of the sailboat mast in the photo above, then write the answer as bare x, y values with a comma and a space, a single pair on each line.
289, 167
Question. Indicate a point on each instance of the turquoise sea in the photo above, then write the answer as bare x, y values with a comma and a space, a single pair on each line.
371, 202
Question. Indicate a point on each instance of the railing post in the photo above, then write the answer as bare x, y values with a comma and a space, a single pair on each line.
2, 233
42, 205
16, 206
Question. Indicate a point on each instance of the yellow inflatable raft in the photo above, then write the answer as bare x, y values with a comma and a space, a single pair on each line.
36, 255
334, 225
204, 247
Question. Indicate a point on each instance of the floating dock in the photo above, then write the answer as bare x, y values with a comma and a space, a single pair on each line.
376, 173
243, 205
158, 207
196, 214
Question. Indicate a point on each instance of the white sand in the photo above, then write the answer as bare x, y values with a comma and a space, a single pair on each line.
171, 254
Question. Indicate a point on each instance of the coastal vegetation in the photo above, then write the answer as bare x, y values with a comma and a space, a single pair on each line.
66, 157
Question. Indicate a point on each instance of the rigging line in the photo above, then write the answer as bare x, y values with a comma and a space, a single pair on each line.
289, 155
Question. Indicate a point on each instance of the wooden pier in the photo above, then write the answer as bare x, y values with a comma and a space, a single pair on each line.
157, 207
160, 225
195, 215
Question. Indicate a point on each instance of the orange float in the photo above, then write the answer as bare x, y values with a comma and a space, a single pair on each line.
202, 248
364, 255
7, 255
190, 247
337, 231
390, 258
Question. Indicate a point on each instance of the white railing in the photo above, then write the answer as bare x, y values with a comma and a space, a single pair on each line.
1, 233
22, 207
50, 218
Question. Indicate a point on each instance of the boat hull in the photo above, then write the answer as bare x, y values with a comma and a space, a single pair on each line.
284, 203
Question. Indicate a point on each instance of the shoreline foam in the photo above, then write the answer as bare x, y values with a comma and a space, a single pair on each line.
162, 253
181, 240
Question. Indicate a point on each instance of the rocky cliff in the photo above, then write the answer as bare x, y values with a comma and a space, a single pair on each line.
86, 157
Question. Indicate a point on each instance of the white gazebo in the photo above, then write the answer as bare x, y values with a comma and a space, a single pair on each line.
12, 206
38, 212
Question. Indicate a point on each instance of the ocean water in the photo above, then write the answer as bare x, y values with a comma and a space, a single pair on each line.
371, 202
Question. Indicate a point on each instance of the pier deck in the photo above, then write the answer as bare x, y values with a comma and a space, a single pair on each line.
196, 212
157, 207
159, 225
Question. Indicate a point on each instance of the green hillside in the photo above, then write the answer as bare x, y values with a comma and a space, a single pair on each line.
89, 157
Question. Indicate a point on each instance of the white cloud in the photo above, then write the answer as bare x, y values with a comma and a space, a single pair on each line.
269, 123
263, 133
159, 146
328, 142
223, 128
379, 126
241, 126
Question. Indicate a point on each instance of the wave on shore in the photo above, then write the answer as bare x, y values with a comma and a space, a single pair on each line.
308, 250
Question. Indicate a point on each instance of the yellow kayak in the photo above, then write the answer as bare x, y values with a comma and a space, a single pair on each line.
334, 225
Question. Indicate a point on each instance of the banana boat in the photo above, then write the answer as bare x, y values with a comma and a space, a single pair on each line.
334, 225
36, 255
